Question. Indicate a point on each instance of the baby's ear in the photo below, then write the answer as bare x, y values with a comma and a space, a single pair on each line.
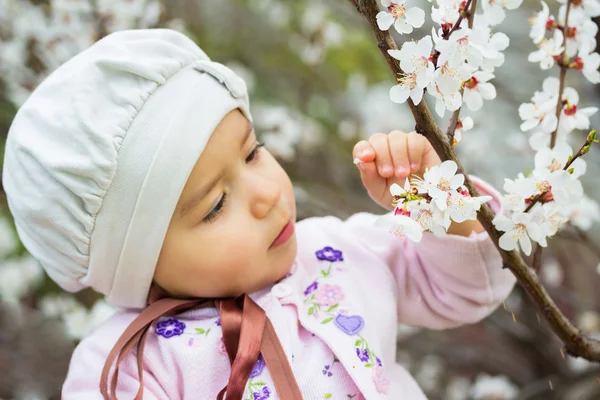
38, 351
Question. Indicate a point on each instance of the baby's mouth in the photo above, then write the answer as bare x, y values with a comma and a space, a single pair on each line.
285, 235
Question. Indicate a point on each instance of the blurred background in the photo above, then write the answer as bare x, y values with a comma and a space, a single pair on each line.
317, 85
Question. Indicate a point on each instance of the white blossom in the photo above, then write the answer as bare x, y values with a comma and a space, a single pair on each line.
517, 191
542, 110
494, 9
590, 7
403, 19
402, 226
539, 24
418, 68
573, 117
548, 49
519, 229
581, 32
478, 88
588, 63
556, 158
440, 180
585, 213
463, 125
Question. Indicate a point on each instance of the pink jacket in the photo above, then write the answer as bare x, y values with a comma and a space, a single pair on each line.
336, 315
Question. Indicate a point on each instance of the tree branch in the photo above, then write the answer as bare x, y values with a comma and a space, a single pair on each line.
576, 343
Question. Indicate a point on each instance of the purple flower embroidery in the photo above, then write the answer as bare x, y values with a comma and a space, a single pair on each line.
263, 394
169, 328
311, 288
378, 361
362, 354
328, 295
327, 370
329, 254
258, 367
218, 322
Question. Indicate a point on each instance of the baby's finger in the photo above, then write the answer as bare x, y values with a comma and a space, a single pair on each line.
416, 147
383, 159
398, 149
363, 152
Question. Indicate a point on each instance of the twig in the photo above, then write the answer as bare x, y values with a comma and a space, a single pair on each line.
575, 341
456, 25
563, 74
583, 150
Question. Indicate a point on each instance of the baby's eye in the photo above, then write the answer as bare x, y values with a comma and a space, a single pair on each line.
217, 209
254, 153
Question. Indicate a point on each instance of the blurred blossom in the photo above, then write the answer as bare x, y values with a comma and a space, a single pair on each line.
283, 129
36, 42
430, 372
245, 73
493, 388
347, 129
589, 321
406, 331
458, 388
78, 321
374, 110
18, 277
552, 272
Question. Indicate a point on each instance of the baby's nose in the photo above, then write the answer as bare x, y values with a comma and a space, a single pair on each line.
266, 195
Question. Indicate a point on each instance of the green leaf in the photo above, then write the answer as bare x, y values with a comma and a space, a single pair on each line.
259, 383
358, 342
333, 307
324, 273
369, 365
207, 331
200, 331
325, 321
328, 395
311, 310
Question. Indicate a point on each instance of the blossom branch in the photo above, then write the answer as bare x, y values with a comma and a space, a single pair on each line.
563, 73
576, 343
470, 11
591, 138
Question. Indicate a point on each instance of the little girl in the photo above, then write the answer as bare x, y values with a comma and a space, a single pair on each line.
134, 169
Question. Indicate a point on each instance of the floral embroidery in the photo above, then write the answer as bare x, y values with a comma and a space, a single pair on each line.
325, 299
258, 390
327, 370
218, 322
382, 383
197, 335
328, 295
365, 354
329, 254
258, 367
169, 328
311, 288
263, 394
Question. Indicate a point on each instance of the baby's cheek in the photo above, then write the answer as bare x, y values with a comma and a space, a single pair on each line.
240, 261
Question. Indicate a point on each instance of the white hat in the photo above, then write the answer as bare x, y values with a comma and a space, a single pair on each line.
97, 157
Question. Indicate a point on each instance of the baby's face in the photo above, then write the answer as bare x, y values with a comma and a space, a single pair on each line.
236, 202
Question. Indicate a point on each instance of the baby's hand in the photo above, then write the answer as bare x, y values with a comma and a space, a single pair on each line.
387, 159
